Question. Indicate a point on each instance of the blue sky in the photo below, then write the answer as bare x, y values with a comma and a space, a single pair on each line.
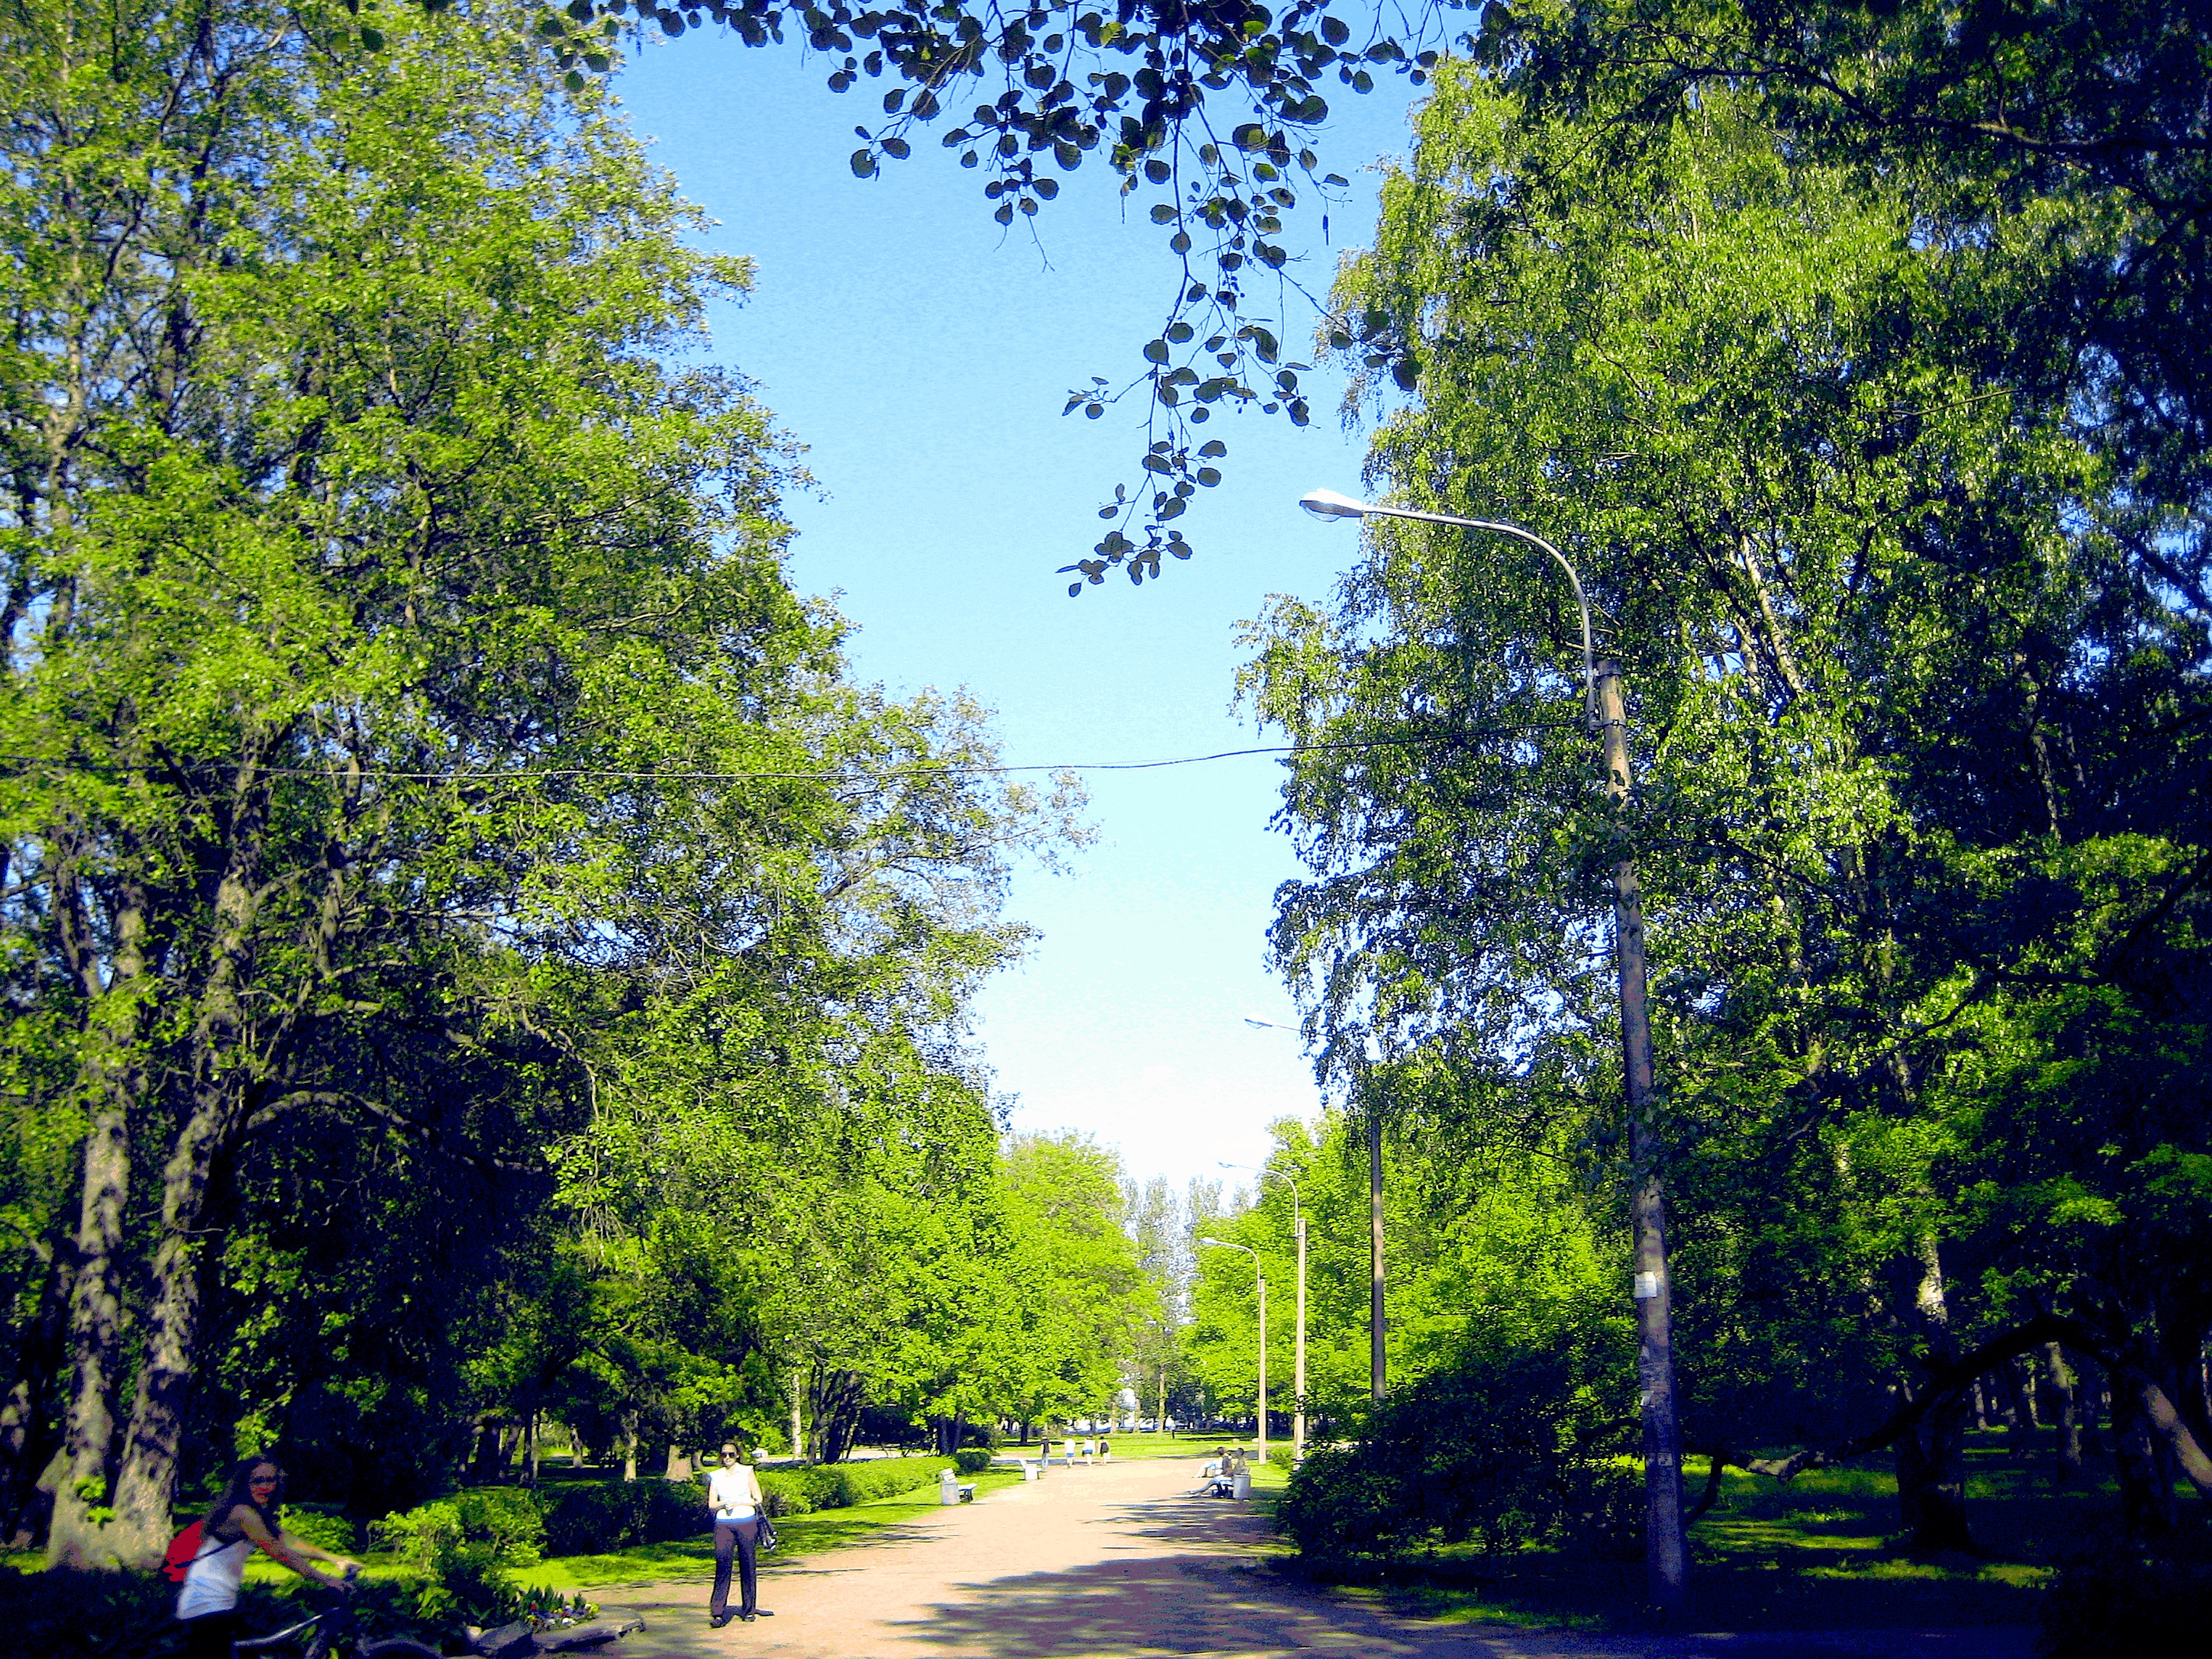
922, 355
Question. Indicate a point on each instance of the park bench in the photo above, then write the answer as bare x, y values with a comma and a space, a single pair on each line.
952, 1489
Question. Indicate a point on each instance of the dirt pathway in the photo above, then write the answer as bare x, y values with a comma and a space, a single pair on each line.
1121, 1562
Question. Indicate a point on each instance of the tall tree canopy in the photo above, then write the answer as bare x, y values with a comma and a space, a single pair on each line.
423, 791
1217, 113
1906, 583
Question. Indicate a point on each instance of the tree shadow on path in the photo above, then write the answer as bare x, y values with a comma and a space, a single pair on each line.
1181, 1604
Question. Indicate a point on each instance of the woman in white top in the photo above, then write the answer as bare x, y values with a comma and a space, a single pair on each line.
733, 1493
243, 1519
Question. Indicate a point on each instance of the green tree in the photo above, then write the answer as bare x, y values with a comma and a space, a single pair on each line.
409, 726
1894, 657
1081, 1287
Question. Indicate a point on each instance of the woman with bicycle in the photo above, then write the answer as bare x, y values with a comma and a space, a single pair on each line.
244, 1519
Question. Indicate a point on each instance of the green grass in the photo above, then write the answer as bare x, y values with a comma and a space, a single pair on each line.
1129, 1448
1817, 1553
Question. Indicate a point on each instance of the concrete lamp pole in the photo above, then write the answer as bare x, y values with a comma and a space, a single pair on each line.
1298, 1369
1665, 1553
1261, 1277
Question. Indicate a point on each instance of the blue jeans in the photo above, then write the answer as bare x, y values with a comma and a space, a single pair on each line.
739, 1535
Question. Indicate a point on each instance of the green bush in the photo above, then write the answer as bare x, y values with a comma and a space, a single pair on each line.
132, 1615
2125, 1605
424, 1536
98, 1614
799, 1491
465, 1545
1280, 1456
590, 1517
327, 1526
1507, 1449
973, 1460
508, 1518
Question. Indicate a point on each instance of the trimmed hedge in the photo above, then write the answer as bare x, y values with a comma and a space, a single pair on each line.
840, 1485
514, 1527
973, 1460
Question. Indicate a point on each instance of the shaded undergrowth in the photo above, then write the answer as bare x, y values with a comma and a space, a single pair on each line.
1820, 1552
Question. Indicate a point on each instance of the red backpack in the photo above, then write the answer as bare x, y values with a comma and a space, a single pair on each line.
184, 1549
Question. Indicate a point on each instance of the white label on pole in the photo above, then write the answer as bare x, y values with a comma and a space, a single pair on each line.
1647, 1286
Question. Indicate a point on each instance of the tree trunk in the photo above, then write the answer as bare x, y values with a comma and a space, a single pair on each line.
114, 1077
2066, 1413
227, 1074
1931, 1459
2184, 1353
2016, 1401
146, 1485
2147, 1510
484, 1462
29, 1431
836, 1413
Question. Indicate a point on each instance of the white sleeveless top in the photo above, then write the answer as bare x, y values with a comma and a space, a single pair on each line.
730, 1493
211, 1582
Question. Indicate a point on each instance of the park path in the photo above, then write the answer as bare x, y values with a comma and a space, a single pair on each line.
1122, 1561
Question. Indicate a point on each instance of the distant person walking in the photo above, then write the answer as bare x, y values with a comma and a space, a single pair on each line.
733, 1493
244, 1518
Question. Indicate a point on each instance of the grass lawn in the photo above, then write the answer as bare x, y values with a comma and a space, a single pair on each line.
1128, 1447
1813, 1554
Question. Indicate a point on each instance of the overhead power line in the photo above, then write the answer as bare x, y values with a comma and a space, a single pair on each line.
20, 764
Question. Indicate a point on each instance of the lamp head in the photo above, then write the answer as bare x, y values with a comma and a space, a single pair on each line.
1215, 1243
1328, 504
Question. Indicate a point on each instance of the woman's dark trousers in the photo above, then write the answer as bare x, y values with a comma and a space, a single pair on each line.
737, 1535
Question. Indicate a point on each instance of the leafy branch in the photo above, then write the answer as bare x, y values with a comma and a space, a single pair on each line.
1139, 82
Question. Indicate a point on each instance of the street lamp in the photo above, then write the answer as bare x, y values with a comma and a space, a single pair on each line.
1664, 1551
1377, 1311
1298, 1228
1259, 1276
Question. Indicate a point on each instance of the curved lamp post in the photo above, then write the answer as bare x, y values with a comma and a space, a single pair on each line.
1222, 1244
1665, 1555
1298, 1368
